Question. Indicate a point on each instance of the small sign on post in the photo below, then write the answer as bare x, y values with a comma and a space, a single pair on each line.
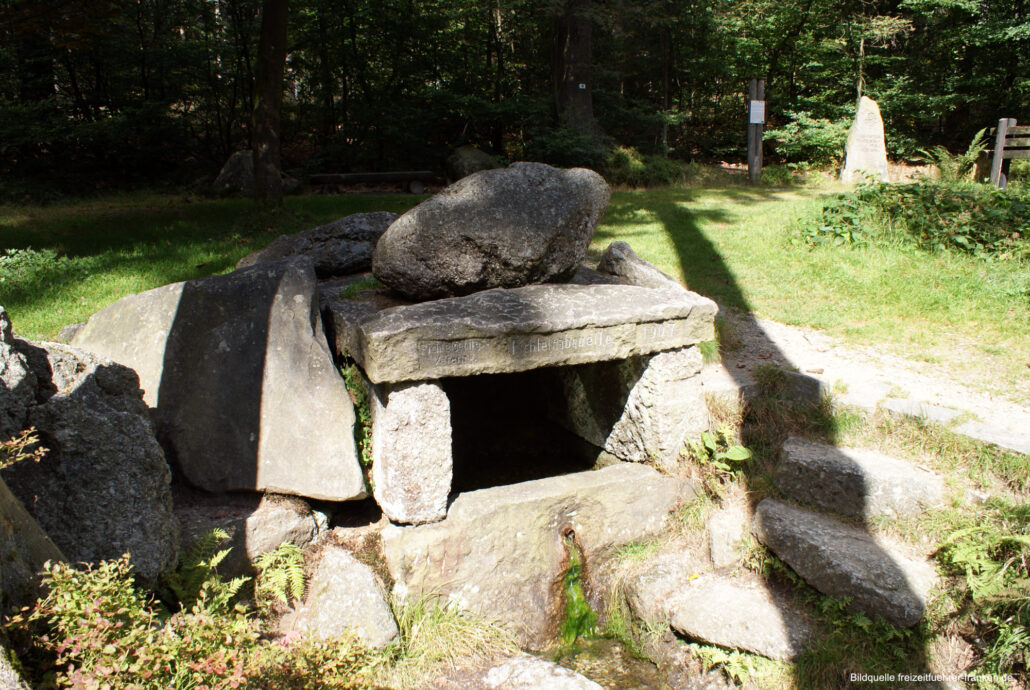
756, 118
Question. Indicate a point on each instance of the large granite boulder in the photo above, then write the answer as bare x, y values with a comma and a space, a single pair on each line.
529, 223
103, 489
620, 260
339, 248
865, 153
238, 369
17, 383
846, 562
466, 160
501, 552
237, 175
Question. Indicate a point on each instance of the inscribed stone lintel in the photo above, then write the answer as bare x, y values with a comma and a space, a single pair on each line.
500, 331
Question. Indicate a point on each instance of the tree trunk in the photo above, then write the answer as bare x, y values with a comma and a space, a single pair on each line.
268, 182
571, 67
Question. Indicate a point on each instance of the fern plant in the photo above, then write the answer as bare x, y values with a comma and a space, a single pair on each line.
196, 579
956, 168
280, 575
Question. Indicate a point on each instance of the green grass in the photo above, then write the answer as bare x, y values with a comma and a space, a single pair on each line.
735, 245
87, 254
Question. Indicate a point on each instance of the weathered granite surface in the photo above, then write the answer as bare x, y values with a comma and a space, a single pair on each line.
24, 548
501, 551
865, 154
739, 614
103, 489
256, 524
855, 481
620, 260
509, 330
640, 409
845, 561
726, 529
339, 248
411, 447
246, 391
528, 223
344, 596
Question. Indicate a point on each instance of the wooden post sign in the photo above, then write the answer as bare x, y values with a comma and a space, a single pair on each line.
755, 120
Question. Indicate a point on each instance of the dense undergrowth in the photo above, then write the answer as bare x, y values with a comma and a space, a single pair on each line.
934, 216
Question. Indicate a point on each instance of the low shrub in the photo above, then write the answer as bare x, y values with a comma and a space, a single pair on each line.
935, 216
810, 140
628, 167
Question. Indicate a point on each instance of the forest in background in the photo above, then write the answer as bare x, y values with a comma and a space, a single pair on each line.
106, 94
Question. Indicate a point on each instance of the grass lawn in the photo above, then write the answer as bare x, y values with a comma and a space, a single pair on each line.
731, 243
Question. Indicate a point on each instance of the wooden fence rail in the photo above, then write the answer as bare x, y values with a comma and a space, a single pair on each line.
1010, 141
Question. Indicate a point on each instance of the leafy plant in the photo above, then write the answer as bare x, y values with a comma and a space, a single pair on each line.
280, 574
625, 165
24, 446
719, 449
363, 427
812, 140
197, 573
956, 168
934, 216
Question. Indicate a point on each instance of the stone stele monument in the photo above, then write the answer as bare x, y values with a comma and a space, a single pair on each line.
866, 153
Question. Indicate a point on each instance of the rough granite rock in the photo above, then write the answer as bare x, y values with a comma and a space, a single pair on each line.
726, 528
640, 409
103, 488
854, 481
531, 673
256, 524
845, 561
24, 548
237, 175
739, 614
411, 447
504, 331
344, 596
244, 385
652, 587
9, 678
528, 223
620, 260
501, 552
18, 383
466, 160
339, 248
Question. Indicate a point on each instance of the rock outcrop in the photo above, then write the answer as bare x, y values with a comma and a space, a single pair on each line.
529, 223
339, 248
620, 260
103, 488
238, 369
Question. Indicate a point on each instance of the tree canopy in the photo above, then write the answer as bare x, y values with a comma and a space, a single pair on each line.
113, 92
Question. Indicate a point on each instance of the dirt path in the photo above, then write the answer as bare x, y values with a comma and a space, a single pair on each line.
867, 376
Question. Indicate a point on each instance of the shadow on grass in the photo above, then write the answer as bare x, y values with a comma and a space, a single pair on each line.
846, 645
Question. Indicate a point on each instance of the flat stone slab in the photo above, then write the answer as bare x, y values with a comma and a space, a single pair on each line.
509, 330
845, 561
855, 481
501, 552
739, 615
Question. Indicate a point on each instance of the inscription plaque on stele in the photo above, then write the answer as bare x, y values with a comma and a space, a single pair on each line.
865, 155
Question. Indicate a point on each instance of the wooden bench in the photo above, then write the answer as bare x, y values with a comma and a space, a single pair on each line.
1010, 142
414, 180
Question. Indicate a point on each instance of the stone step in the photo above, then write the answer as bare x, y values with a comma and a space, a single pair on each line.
854, 481
845, 561
733, 612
